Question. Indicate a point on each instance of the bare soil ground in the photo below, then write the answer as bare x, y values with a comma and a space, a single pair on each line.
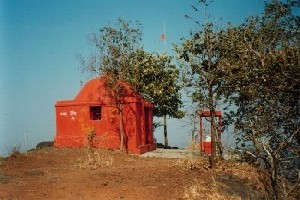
83, 173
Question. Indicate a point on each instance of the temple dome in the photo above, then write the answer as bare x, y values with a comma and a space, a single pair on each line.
98, 88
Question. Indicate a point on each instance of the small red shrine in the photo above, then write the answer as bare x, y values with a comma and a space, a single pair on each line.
93, 110
206, 146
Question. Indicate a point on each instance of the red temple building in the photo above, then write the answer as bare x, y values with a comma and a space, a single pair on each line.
93, 111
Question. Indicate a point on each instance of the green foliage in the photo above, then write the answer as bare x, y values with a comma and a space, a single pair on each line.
255, 67
200, 69
114, 49
120, 56
260, 59
156, 78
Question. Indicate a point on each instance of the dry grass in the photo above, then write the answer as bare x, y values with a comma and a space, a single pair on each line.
214, 190
192, 163
94, 158
193, 146
220, 190
14, 150
245, 172
228, 180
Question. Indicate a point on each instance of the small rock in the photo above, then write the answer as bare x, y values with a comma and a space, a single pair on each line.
43, 145
104, 184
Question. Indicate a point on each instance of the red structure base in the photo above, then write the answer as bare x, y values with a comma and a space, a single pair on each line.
93, 118
205, 146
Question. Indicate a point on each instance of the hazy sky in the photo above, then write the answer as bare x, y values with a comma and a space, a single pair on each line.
40, 38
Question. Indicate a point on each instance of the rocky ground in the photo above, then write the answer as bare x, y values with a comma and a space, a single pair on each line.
83, 173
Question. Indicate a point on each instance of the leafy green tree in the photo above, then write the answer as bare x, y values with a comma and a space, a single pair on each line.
115, 49
261, 62
119, 55
157, 79
201, 72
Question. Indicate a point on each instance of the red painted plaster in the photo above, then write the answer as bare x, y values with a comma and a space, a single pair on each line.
74, 122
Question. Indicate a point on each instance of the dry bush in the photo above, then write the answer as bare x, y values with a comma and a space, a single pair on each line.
194, 145
1, 160
256, 179
246, 172
193, 191
192, 163
289, 190
228, 180
94, 158
14, 150
202, 190
217, 188
286, 188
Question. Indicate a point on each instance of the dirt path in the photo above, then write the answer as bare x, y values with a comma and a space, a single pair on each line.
100, 174
171, 153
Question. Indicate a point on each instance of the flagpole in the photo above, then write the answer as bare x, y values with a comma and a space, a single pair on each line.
165, 40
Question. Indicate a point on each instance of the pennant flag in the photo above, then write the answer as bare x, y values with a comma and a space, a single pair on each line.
163, 36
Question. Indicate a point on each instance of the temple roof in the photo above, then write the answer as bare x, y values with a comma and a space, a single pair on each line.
101, 87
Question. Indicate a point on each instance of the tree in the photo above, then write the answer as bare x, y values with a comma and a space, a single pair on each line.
201, 72
115, 48
156, 78
261, 61
120, 56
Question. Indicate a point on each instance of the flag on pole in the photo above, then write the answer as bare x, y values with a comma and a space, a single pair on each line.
163, 36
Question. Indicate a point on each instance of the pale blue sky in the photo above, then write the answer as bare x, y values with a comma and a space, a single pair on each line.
40, 38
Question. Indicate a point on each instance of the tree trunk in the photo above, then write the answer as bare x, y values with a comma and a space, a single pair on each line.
193, 132
201, 137
122, 138
219, 143
213, 134
274, 175
165, 131
212, 125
